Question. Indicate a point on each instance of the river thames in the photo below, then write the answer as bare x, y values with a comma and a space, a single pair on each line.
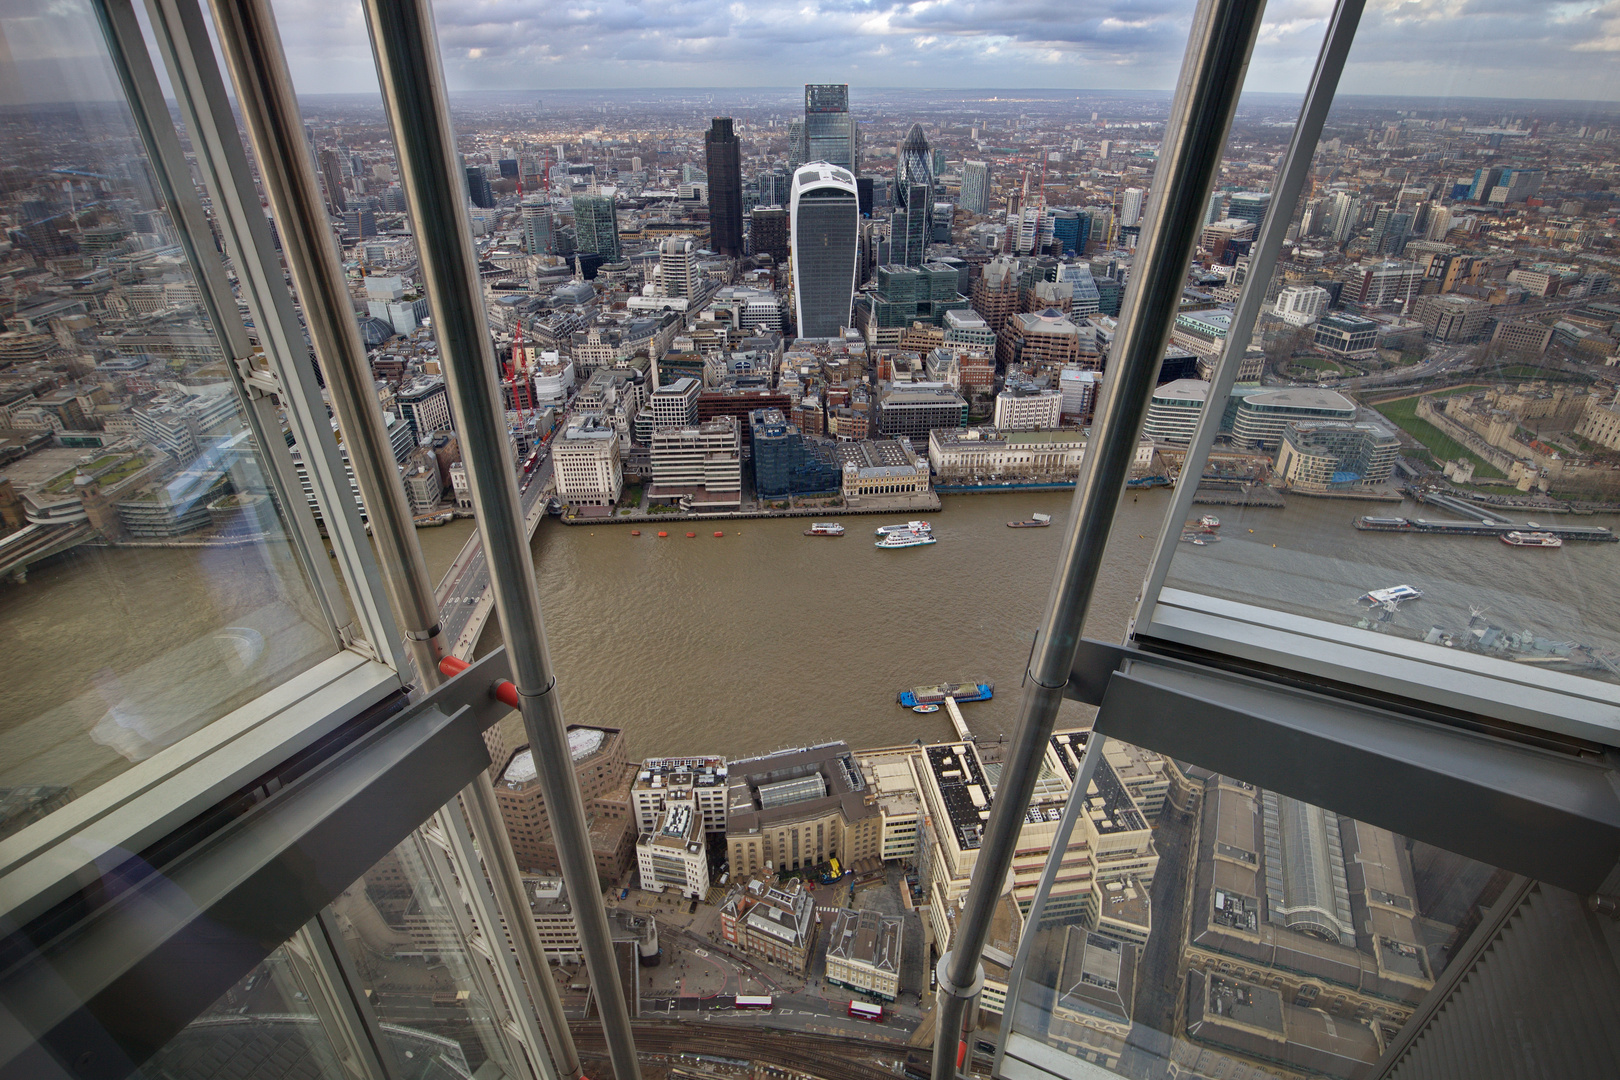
761, 639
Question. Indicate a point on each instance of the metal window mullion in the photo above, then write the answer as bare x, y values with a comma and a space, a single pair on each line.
199, 87
1043, 889
1340, 35
405, 45
127, 48
1219, 45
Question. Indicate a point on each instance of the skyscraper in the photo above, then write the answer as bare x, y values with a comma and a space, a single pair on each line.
1249, 206
826, 226
829, 130
478, 187
537, 226
596, 225
722, 155
976, 187
908, 226
914, 166
769, 232
1130, 207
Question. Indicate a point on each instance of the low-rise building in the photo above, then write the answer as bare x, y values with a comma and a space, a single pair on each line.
881, 468
663, 780
1451, 320
1260, 419
1301, 305
776, 923
863, 952
799, 808
1346, 335
1174, 410
1324, 455
586, 458
1027, 408
1601, 421
700, 465
990, 454
673, 854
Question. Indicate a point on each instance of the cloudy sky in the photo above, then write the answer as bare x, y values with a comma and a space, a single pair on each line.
1482, 48
1491, 48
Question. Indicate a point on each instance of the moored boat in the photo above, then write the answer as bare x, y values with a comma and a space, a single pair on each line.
1210, 521
1034, 521
919, 527
825, 528
1532, 539
925, 708
964, 690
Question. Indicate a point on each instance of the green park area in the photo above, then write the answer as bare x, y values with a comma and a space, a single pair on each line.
1403, 412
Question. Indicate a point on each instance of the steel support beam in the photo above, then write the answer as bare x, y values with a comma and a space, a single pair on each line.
405, 44
1212, 73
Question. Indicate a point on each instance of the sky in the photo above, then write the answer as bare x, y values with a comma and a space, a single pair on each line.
1473, 48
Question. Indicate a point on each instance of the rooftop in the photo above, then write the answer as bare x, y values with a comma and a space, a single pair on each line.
964, 788
866, 937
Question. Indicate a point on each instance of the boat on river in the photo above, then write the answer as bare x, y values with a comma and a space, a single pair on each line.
825, 528
963, 691
1395, 594
918, 527
904, 539
1034, 521
1532, 539
925, 709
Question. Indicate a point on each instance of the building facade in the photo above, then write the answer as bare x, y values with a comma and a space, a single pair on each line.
586, 456
673, 855
863, 952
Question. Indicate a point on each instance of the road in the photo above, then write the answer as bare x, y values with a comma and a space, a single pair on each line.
465, 601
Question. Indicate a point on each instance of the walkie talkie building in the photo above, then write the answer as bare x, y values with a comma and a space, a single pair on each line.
826, 227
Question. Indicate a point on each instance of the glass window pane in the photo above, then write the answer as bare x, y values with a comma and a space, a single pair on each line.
1422, 440
147, 581
413, 939
266, 1027
1266, 933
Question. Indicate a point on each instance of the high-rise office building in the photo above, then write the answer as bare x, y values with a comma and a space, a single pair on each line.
1130, 207
678, 274
826, 227
596, 225
1249, 206
768, 232
976, 187
829, 130
537, 227
722, 155
478, 191
914, 166
908, 227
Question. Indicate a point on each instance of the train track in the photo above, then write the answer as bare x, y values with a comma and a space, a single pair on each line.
825, 1056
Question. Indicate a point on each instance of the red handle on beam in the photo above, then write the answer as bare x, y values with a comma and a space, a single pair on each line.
506, 692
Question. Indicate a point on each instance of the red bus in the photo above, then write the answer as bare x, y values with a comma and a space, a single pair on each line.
746, 1002
862, 1011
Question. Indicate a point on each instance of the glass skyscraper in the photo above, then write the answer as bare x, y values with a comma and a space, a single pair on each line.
826, 227
596, 225
976, 187
914, 166
829, 130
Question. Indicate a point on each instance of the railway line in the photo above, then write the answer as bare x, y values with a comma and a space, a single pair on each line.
829, 1057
